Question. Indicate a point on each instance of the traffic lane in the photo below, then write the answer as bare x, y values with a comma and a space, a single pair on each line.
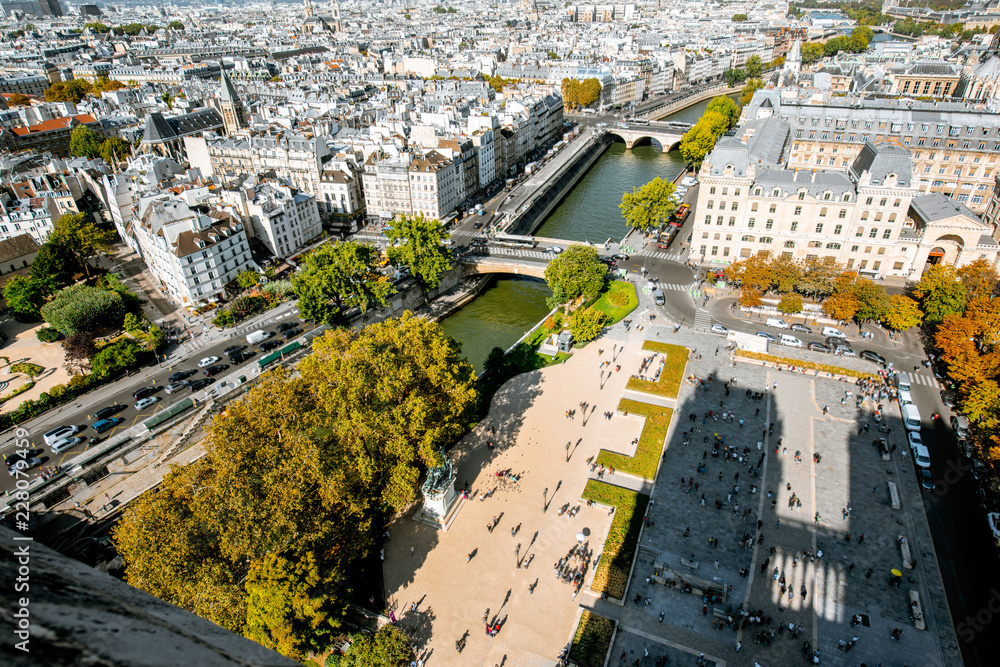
83, 417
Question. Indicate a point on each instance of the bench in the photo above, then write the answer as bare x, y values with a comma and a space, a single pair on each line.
720, 613
894, 495
693, 564
916, 612
904, 547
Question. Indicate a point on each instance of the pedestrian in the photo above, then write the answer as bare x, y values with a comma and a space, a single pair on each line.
411, 551
739, 645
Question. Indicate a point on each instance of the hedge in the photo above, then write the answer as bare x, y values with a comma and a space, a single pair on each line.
28, 368
623, 536
48, 334
673, 371
83, 308
20, 390
647, 453
592, 640
618, 300
808, 365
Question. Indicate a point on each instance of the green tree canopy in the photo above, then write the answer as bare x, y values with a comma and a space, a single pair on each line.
54, 266
103, 83
753, 85
115, 151
697, 143
73, 91
739, 18
98, 27
649, 207
902, 313
82, 308
419, 248
338, 276
175, 25
941, 292
754, 66
248, 279
116, 357
587, 324
84, 142
577, 272
389, 647
811, 52
720, 115
77, 234
25, 296
725, 107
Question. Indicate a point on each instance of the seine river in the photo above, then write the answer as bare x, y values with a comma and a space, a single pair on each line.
511, 306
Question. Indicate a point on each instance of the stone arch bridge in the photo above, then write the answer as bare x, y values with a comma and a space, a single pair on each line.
667, 135
519, 266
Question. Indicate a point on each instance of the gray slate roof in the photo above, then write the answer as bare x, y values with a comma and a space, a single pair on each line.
882, 160
935, 206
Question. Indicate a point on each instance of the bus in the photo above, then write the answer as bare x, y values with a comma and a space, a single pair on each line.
680, 215
515, 241
666, 237
637, 121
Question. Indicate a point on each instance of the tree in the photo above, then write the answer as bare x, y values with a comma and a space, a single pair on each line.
739, 18
389, 647
99, 28
81, 238
175, 25
577, 93
289, 605
103, 83
134, 322
339, 276
751, 297
119, 356
697, 143
790, 304
734, 76
754, 66
649, 207
872, 300
753, 272
753, 85
985, 314
79, 348
53, 266
587, 324
982, 405
811, 52
115, 151
248, 279
73, 91
941, 292
82, 308
26, 296
785, 274
979, 278
956, 338
18, 100
902, 313
577, 271
419, 248
818, 278
841, 306
725, 107
83, 142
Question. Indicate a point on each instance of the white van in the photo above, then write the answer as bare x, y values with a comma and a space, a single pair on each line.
903, 382
258, 336
911, 417
790, 341
776, 323
60, 433
833, 331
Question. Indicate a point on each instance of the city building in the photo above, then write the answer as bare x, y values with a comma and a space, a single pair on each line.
280, 217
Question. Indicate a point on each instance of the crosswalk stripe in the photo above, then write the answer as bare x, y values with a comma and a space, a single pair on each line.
702, 319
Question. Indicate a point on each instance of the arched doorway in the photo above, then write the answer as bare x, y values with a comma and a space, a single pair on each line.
936, 255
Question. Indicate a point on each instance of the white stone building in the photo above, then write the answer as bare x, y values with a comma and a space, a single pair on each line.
282, 218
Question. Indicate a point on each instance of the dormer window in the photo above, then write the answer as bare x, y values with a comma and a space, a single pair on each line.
200, 243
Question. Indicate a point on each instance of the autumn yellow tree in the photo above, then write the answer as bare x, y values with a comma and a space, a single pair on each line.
841, 306
979, 278
902, 313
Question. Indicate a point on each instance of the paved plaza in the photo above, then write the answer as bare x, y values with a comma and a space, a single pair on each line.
747, 540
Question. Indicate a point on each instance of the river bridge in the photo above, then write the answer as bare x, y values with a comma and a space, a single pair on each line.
667, 135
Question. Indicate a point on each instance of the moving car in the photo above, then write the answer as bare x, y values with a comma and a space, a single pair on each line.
873, 356
658, 298
143, 392
107, 424
844, 351
790, 341
144, 403
195, 385
833, 342
60, 446
12, 459
834, 332
554, 249
180, 375
719, 329
292, 333
176, 386
620, 256
926, 479
285, 326
23, 464
819, 347
240, 357
769, 337
801, 328
776, 323
59, 433
258, 336
104, 413
270, 345
207, 361
233, 349
215, 370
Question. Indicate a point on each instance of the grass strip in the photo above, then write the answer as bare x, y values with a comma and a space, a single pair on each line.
798, 363
623, 537
672, 375
647, 453
618, 300
592, 640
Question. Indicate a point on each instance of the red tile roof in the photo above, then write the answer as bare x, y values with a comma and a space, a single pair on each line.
54, 124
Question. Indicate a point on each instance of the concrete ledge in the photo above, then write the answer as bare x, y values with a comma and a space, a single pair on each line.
893, 495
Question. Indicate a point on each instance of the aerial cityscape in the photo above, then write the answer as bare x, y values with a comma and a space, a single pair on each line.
505, 333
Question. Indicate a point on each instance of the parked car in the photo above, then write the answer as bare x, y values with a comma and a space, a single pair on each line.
833, 332
215, 370
720, 330
873, 356
143, 392
207, 361
947, 398
993, 521
960, 425
914, 438
819, 347
144, 403
107, 424
844, 351
926, 479
292, 333
921, 456
60, 446
801, 328
174, 387
181, 375
769, 337
199, 384
233, 349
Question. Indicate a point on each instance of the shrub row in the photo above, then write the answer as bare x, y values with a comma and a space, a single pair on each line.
20, 390
623, 537
808, 365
